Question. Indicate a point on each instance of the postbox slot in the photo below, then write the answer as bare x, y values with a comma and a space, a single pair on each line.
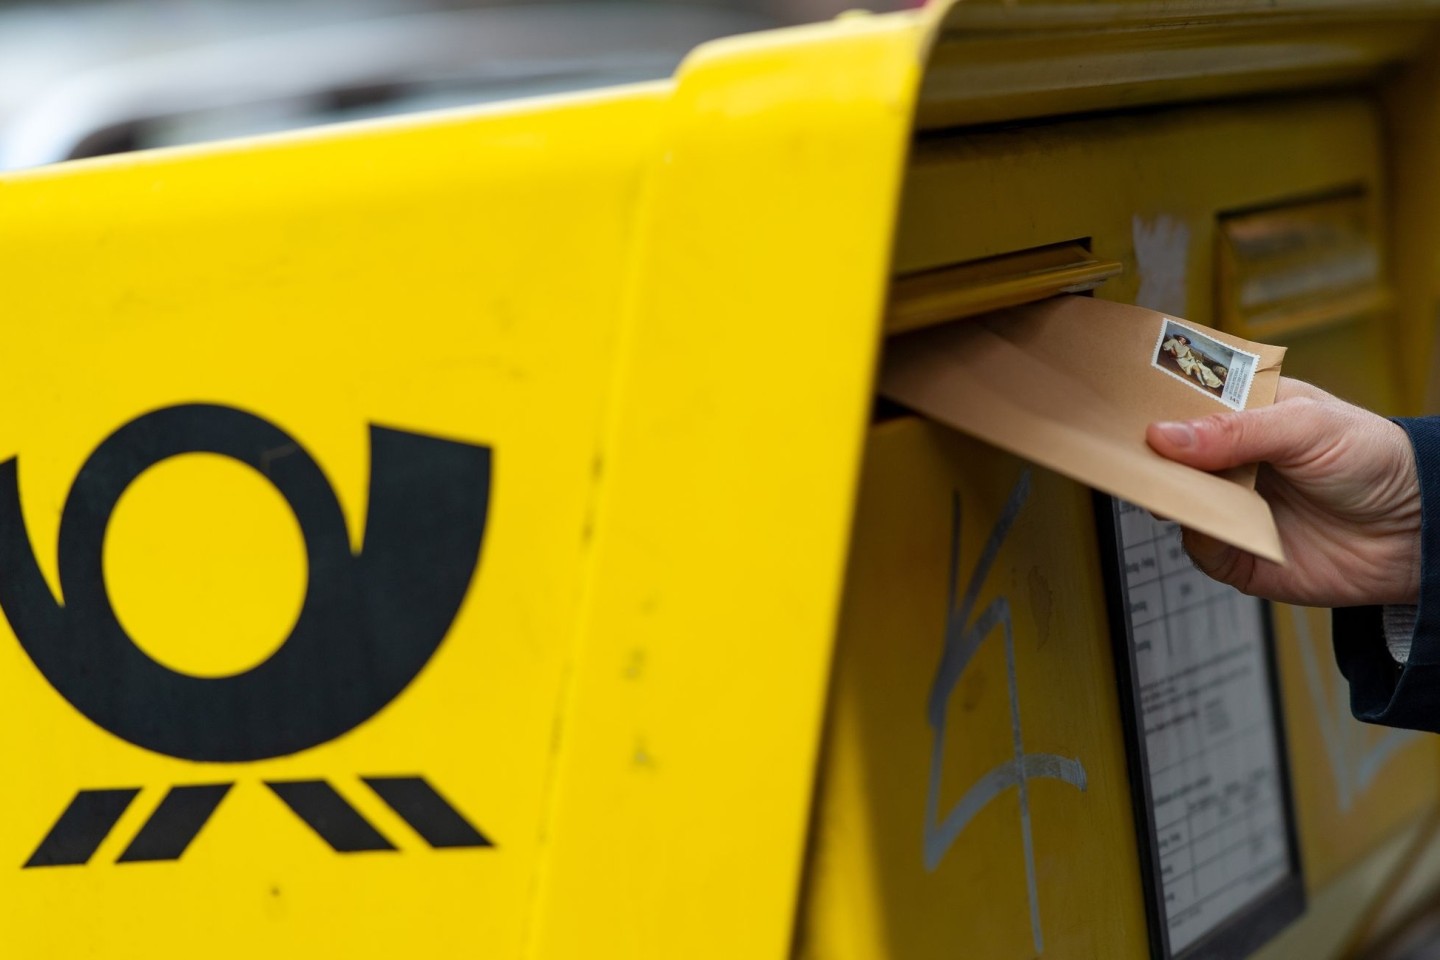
1300, 266
969, 289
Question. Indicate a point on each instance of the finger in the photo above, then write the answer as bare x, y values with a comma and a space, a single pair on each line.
1285, 432
1215, 559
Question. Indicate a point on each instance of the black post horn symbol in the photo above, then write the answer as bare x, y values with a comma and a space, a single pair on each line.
369, 623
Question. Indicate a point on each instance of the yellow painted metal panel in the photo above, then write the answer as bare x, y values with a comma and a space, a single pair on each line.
1409, 893
1337, 913
921, 837
1355, 784
457, 277
1163, 176
1002, 61
1301, 266
757, 309
1411, 103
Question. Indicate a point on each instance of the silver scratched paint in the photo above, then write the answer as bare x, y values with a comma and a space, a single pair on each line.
962, 638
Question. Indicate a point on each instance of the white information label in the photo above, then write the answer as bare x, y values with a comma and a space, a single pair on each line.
1207, 719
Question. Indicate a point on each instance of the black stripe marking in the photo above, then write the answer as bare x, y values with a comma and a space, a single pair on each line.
175, 823
430, 814
84, 825
329, 815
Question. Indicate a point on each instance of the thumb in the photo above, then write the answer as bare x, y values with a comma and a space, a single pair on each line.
1281, 433
1218, 560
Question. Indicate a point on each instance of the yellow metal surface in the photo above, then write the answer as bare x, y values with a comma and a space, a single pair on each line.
1302, 266
1339, 911
456, 278
721, 547
1409, 893
1355, 784
1411, 105
996, 61
914, 855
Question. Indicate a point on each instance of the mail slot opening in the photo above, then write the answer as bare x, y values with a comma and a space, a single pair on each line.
956, 291
960, 291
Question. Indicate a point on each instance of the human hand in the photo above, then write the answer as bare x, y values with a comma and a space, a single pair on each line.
1342, 484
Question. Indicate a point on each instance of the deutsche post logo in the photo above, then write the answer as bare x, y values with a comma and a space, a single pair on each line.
369, 623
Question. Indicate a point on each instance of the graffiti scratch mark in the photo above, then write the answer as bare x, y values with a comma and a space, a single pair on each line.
963, 637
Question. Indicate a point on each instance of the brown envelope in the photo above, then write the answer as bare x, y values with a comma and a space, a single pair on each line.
1071, 383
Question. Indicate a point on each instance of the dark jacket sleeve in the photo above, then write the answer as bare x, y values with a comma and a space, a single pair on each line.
1381, 690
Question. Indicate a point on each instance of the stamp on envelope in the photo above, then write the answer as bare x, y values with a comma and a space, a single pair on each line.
1208, 365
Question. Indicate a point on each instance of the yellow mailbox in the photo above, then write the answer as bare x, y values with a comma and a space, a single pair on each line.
475, 534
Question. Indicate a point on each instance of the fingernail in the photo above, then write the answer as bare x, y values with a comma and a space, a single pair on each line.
1178, 434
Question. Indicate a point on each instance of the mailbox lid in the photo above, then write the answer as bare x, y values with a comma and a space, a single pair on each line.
457, 281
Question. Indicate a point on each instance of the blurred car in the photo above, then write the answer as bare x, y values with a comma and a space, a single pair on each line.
86, 80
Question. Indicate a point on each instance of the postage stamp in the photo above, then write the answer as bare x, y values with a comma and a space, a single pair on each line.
1208, 365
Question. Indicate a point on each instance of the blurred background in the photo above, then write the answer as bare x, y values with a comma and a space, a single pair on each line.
82, 78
